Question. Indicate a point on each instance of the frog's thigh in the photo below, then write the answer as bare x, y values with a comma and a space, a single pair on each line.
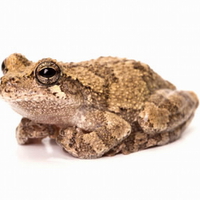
170, 136
140, 140
167, 137
107, 131
166, 110
27, 131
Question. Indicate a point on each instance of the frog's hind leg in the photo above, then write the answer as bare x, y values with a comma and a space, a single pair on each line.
140, 140
166, 110
162, 120
168, 136
29, 131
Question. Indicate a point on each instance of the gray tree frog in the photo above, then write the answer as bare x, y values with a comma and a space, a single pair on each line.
93, 108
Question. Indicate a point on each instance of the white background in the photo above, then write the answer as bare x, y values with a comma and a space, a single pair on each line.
162, 33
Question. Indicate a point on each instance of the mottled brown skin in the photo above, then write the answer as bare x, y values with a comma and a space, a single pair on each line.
94, 108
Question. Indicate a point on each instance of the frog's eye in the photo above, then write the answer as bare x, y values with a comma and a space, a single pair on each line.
3, 67
47, 73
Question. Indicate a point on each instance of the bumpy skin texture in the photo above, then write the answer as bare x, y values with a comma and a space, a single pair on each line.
94, 108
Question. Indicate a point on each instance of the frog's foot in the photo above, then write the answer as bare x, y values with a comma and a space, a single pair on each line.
87, 145
28, 131
95, 142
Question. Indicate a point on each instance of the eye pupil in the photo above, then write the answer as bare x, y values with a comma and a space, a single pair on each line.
47, 72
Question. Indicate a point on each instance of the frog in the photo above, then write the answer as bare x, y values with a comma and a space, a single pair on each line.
95, 108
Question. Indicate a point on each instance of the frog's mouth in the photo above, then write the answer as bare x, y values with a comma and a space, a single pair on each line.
12, 93
31, 103
32, 98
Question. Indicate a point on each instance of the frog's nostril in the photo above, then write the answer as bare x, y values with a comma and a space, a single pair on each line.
3, 67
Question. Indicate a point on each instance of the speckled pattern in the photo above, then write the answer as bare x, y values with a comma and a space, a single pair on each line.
94, 108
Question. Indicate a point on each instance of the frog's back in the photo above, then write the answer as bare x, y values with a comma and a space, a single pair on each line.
121, 84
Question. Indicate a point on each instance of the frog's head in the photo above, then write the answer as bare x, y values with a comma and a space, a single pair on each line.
33, 88
25, 79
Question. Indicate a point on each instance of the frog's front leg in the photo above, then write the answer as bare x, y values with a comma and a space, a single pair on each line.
28, 130
166, 110
96, 132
